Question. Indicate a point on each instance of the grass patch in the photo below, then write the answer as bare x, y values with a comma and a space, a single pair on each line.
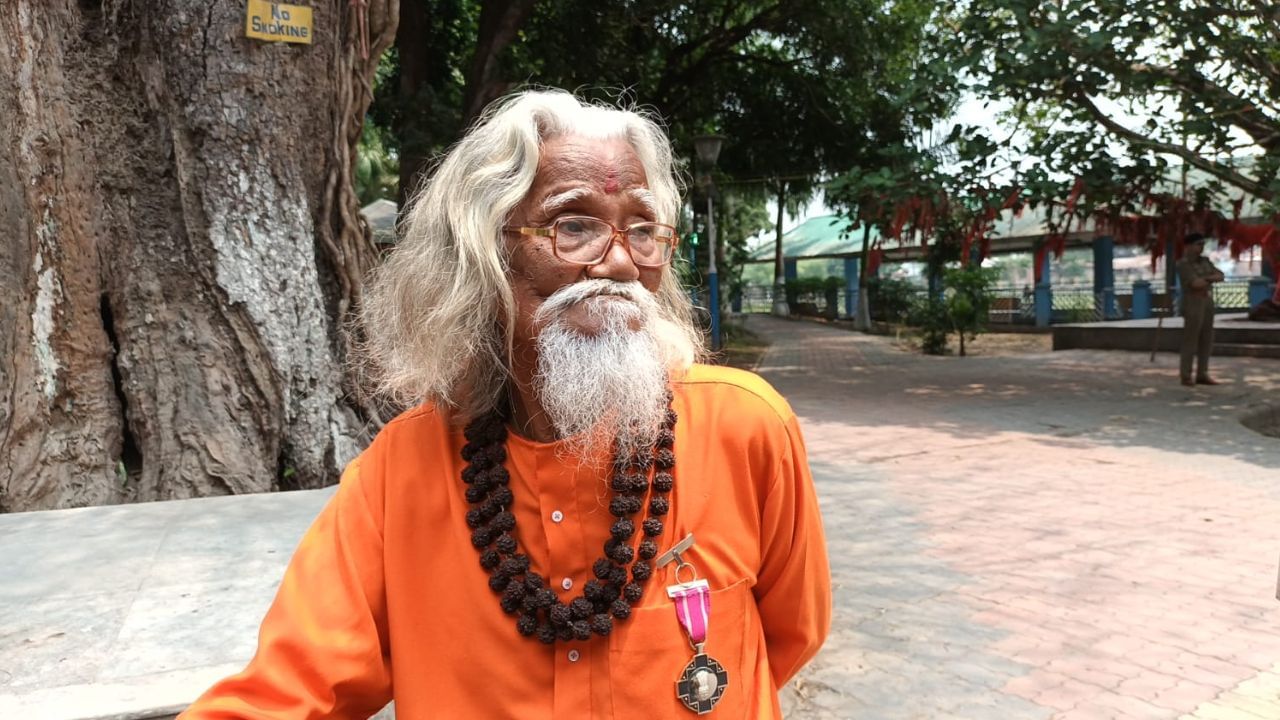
742, 348
988, 344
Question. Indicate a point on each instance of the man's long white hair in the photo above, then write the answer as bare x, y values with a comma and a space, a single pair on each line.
438, 315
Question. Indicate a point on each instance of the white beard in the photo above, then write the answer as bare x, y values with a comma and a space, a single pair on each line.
607, 389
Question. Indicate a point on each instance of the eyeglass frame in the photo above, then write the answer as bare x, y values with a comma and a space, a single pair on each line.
549, 231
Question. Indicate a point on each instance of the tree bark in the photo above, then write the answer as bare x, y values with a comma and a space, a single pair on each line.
413, 40
180, 244
780, 305
863, 319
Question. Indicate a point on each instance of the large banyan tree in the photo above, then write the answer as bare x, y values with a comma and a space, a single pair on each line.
179, 244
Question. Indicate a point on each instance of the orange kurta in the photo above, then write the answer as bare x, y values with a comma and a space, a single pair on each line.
385, 596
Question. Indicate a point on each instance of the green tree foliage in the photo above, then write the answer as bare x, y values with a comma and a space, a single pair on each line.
967, 295
377, 170
961, 309
740, 217
944, 197
802, 89
418, 98
1196, 82
930, 316
891, 298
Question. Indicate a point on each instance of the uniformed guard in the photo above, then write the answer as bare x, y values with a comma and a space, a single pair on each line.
1197, 275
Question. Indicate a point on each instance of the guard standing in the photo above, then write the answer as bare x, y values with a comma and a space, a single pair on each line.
1197, 275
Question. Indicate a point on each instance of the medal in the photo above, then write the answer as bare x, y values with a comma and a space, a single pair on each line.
703, 680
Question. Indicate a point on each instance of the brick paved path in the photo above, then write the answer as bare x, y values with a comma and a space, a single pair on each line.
1069, 535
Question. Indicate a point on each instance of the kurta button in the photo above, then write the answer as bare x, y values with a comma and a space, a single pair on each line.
567, 583
573, 656
557, 516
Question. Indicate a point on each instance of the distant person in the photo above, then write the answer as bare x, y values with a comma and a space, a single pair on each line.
1197, 275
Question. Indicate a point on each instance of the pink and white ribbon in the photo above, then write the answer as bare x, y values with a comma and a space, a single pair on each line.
693, 608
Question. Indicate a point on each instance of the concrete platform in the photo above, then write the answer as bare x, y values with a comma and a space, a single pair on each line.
130, 612
1234, 335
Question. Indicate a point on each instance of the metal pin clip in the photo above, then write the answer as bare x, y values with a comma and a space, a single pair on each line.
673, 555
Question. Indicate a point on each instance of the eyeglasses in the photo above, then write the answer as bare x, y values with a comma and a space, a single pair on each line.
586, 240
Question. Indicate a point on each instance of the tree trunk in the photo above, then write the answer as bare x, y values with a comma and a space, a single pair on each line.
863, 320
780, 306
421, 44
500, 22
180, 242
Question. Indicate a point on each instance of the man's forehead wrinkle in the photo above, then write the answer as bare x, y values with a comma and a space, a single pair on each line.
591, 163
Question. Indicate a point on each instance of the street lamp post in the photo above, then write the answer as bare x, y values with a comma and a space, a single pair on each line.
708, 149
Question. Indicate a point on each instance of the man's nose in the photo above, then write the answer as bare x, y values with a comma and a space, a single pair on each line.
616, 263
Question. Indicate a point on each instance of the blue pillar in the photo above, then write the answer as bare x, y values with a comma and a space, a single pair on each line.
1044, 293
851, 286
935, 285
790, 273
1141, 299
1104, 276
1259, 290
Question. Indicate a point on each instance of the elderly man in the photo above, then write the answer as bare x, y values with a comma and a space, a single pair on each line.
577, 520
1197, 275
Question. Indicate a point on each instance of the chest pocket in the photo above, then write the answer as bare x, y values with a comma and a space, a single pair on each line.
648, 652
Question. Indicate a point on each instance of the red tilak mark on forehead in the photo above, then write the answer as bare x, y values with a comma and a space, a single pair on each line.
611, 182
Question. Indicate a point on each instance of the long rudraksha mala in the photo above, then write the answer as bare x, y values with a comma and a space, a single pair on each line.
524, 593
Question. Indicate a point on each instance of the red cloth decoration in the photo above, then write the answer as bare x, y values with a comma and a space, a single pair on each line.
1074, 197
1039, 266
1057, 244
1242, 237
874, 258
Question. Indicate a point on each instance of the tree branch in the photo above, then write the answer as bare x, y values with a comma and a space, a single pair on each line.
1247, 117
499, 24
1267, 10
772, 62
1216, 169
714, 44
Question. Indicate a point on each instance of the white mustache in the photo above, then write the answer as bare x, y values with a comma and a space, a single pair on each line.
570, 295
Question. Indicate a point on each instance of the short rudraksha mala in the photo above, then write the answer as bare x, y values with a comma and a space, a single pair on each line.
525, 593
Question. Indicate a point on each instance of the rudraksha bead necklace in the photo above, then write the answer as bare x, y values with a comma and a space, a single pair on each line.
524, 593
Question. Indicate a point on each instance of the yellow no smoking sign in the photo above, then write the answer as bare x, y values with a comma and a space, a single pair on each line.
278, 22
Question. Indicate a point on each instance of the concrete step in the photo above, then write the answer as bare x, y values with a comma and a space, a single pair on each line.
1260, 350
1233, 335
1246, 336
129, 612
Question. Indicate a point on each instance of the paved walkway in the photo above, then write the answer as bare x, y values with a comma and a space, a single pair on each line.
1061, 535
